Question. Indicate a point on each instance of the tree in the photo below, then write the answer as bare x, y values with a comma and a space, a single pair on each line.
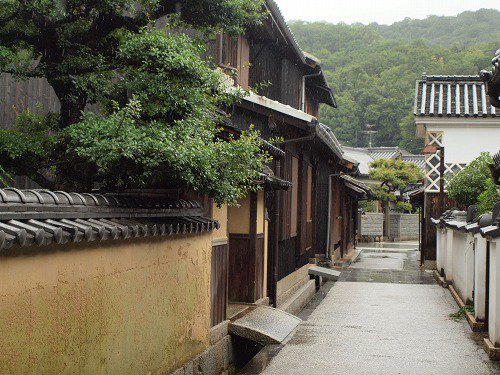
393, 175
158, 100
488, 198
372, 69
466, 186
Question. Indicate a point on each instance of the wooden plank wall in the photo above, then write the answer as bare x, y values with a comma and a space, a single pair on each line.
16, 96
266, 67
219, 283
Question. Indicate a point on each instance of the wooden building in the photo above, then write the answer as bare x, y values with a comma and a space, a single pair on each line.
306, 209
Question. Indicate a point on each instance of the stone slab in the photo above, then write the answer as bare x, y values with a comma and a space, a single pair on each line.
327, 273
299, 299
265, 325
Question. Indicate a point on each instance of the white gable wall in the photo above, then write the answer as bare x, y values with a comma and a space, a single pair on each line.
465, 138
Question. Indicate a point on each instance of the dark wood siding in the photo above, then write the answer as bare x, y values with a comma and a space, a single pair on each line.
34, 94
291, 80
286, 257
246, 268
431, 210
266, 68
259, 267
218, 284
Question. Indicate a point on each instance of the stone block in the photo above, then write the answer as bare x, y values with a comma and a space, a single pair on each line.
179, 371
218, 332
189, 368
324, 272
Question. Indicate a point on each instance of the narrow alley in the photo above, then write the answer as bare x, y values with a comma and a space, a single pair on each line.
383, 316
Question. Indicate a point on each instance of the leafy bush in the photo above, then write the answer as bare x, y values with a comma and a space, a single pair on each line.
404, 207
368, 206
466, 186
488, 198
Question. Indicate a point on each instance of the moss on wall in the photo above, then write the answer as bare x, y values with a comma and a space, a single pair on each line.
123, 307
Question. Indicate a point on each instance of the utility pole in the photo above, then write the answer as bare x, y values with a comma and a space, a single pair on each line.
370, 132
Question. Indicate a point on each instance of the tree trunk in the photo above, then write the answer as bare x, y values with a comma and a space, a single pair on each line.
71, 111
387, 219
72, 102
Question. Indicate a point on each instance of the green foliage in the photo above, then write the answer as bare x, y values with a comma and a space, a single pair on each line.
465, 29
367, 206
466, 186
372, 69
383, 194
460, 314
158, 119
404, 207
394, 174
488, 198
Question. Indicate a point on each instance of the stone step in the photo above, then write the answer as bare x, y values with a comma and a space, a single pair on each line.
265, 325
326, 273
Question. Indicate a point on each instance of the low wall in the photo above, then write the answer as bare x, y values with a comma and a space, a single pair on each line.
480, 277
463, 265
117, 307
404, 227
494, 295
292, 283
372, 224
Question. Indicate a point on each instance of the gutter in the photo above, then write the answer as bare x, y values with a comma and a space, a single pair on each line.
303, 99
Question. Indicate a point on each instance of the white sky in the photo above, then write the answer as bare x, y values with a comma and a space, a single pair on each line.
381, 11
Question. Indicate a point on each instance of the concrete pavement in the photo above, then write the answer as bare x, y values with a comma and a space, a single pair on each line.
390, 324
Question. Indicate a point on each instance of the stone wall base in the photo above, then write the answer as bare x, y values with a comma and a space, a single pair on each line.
217, 359
492, 350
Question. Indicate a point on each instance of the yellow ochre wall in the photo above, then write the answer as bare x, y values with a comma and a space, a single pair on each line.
239, 217
221, 215
118, 307
260, 211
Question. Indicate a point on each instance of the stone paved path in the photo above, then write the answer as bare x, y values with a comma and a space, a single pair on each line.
382, 317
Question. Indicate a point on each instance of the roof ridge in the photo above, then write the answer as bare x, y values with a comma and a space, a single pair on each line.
429, 77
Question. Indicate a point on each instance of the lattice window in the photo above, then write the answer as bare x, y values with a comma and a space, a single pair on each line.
432, 162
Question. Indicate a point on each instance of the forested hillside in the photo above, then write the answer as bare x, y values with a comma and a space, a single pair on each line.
373, 68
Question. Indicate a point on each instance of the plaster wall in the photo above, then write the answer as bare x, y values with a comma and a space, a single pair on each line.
138, 306
465, 140
260, 211
440, 248
221, 215
480, 278
494, 297
239, 217
448, 265
463, 265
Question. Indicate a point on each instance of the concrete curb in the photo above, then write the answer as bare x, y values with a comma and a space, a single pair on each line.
473, 323
440, 279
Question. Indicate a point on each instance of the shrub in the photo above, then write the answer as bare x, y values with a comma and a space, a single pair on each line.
466, 186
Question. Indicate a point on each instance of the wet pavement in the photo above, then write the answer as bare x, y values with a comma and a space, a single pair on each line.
383, 316
392, 263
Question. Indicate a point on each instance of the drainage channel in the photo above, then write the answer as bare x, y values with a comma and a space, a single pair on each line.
258, 358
